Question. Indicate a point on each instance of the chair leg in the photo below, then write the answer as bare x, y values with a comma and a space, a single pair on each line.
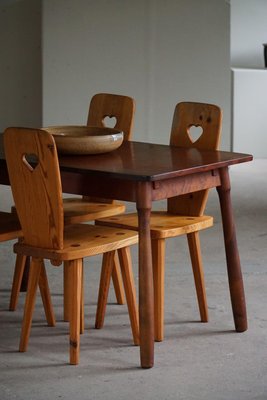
82, 303
130, 292
17, 279
158, 256
117, 281
46, 297
34, 274
66, 298
66, 295
75, 287
197, 266
106, 271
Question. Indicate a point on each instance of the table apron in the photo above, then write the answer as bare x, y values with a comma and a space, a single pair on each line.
98, 186
185, 184
126, 190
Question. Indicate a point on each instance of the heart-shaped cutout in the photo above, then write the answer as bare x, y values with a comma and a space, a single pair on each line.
194, 133
31, 161
110, 122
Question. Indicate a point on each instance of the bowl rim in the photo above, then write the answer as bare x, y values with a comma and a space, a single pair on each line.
106, 131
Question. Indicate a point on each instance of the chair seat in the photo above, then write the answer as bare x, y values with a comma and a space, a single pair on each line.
162, 224
9, 227
82, 240
78, 210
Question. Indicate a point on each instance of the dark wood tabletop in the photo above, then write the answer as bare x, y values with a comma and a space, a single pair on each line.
140, 161
150, 162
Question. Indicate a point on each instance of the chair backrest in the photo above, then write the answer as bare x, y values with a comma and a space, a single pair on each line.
34, 175
208, 119
120, 108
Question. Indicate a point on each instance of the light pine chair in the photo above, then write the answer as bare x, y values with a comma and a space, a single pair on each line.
104, 108
9, 227
9, 230
184, 214
36, 186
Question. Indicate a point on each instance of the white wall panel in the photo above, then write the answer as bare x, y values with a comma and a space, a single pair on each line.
249, 112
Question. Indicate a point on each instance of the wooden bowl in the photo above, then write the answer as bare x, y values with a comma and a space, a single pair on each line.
85, 139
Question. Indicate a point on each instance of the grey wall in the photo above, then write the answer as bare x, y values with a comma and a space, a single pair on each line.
20, 63
158, 51
248, 32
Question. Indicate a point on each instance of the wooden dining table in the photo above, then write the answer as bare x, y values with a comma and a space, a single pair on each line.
142, 173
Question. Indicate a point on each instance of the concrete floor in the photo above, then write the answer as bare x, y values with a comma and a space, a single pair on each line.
196, 361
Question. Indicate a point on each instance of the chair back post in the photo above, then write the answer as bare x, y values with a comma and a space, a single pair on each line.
122, 108
108, 105
34, 175
207, 117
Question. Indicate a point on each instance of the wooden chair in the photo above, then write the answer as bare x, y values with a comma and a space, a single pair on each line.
36, 186
103, 107
184, 214
9, 230
9, 227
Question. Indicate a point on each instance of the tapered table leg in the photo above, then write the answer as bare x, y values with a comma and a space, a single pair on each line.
232, 256
146, 291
